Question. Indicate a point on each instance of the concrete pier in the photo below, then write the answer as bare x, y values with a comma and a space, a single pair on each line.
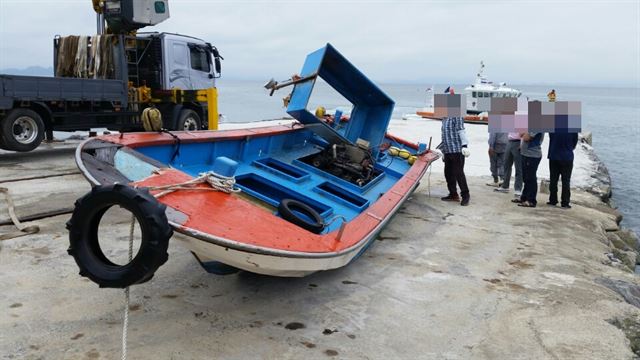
487, 281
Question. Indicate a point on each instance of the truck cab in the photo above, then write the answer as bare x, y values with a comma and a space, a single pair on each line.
187, 63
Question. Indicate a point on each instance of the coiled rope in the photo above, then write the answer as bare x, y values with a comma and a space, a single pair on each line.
151, 119
217, 182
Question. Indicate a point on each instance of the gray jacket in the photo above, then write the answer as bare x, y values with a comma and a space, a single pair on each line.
498, 142
532, 148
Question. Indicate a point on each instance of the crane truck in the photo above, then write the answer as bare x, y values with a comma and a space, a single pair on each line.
109, 79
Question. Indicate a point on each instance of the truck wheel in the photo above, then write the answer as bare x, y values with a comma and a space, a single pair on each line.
22, 130
189, 121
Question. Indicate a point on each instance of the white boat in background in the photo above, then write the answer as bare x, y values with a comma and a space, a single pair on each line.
428, 112
480, 93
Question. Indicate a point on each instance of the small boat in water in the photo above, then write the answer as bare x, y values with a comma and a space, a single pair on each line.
292, 200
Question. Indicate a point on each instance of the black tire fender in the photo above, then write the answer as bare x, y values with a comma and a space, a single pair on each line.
287, 207
85, 247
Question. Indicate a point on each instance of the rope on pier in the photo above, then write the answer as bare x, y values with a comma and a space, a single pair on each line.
216, 182
23, 229
125, 323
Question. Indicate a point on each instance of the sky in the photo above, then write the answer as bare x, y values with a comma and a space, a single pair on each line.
521, 42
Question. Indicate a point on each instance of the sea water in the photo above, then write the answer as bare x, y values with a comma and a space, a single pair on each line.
611, 114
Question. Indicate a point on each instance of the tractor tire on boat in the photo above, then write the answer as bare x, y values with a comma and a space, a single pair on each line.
21, 130
84, 243
287, 209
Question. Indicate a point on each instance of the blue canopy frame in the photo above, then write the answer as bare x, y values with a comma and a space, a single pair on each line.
372, 108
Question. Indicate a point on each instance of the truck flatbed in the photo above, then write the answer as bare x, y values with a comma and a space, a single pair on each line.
39, 88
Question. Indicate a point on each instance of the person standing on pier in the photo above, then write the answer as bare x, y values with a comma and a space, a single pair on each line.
531, 151
515, 124
560, 155
497, 148
453, 146
512, 159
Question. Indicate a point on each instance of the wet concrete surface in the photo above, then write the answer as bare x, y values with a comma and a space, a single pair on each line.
487, 281
47, 160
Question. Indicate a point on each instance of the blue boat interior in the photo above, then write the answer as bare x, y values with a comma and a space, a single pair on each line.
273, 168
293, 165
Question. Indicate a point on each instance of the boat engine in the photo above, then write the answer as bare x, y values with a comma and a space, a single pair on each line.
354, 164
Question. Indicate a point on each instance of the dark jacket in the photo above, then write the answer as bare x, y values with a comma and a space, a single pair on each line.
561, 146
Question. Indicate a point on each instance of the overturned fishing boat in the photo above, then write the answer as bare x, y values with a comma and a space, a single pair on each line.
285, 200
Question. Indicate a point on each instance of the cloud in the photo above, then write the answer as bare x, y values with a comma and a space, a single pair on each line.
391, 41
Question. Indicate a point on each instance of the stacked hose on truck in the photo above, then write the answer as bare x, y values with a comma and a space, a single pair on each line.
88, 57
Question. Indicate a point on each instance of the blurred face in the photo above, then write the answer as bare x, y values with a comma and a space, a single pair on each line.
502, 115
536, 116
447, 105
